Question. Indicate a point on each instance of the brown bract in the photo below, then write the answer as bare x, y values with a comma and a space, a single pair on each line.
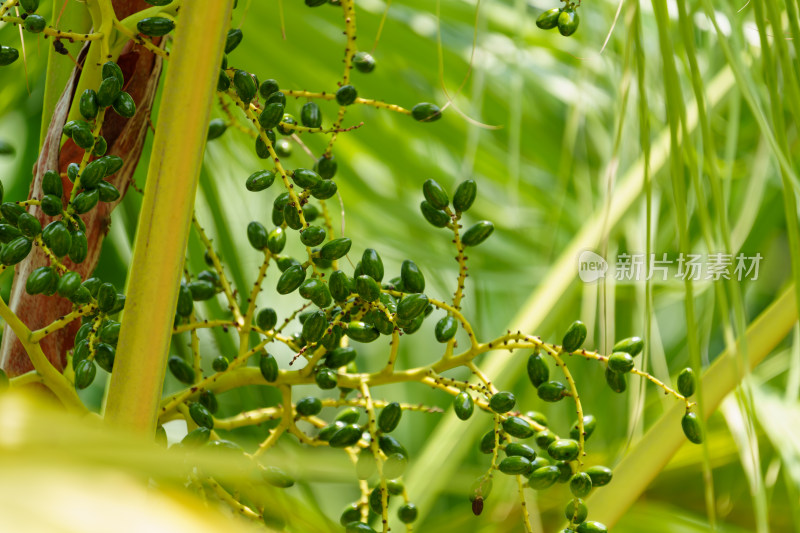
125, 138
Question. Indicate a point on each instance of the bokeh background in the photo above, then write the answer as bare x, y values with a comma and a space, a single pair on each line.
550, 128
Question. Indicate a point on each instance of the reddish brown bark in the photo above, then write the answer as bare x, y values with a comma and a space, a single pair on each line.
125, 137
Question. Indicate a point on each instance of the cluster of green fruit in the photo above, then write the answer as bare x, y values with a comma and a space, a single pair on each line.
564, 18
66, 237
31, 21
338, 308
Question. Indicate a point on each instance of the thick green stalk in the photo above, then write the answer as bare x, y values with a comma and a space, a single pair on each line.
166, 215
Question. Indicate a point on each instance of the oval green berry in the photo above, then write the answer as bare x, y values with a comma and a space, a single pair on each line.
232, 40
517, 427
305, 178
335, 249
686, 382
201, 415
435, 194
549, 19
538, 371
580, 484
85, 201
412, 278
79, 248
502, 402
631, 345
68, 284
568, 21
563, 450
362, 332
216, 128
309, 406
93, 173
367, 288
196, 438
591, 527
463, 405
574, 337
543, 477
348, 415
29, 225
15, 251
310, 115
202, 290
83, 137
616, 381
576, 511
181, 370
600, 475
589, 425
477, 233
51, 205
552, 391
390, 417
52, 184
310, 288
372, 265
522, 450
426, 112
124, 105
107, 93
291, 279
411, 306
84, 374
219, 364
515, 465
40, 280
113, 164
446, 328
340, 357
107, 192
87, 104
277, 477
276, 240
407, 513
314, 326
364, 62
326, 166
346, 95
326, 378
312, 235
340, 285
30, 6
465, 195
35, 23
155, 26
9, 233
691, 428
245, 85
268, 87
111, 70
269, 367
436, 217
620, 362
8, 55
271, 116
324, 190
106, 297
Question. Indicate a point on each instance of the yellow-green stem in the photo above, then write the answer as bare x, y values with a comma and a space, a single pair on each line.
161, 238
